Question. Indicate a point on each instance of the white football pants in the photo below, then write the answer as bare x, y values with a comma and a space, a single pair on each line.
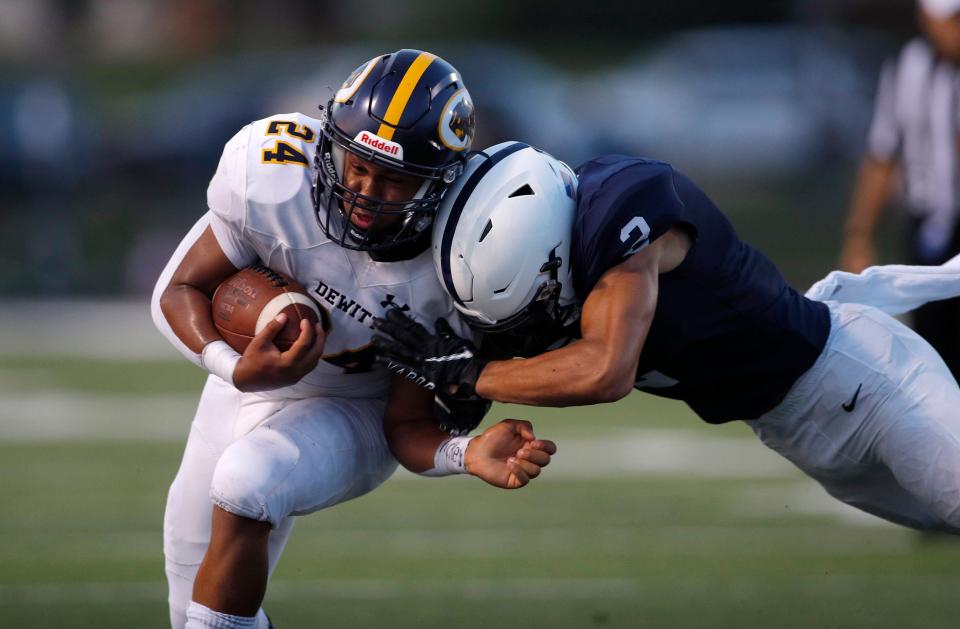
266, 459
876, 420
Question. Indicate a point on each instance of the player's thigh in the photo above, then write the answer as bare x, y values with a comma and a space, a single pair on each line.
347, 454
911, 445
221, 413
918, 433
877, 416
312, 454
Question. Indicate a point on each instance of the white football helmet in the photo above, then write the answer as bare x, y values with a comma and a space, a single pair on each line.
501, 241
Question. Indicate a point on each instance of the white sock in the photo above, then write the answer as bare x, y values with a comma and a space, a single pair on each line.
200, 617
262, 621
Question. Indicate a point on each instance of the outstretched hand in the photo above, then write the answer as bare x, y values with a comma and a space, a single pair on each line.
263, 366
441, 360
508, 454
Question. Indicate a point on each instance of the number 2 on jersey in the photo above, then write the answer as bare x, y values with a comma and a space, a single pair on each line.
636, 224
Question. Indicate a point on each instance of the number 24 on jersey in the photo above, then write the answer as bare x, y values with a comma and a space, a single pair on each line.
283, 152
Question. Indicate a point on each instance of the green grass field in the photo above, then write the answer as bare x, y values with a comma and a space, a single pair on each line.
81, 536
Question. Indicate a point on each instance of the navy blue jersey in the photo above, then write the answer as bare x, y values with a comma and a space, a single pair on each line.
729, 336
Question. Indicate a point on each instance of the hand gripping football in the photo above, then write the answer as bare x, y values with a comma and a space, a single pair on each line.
246, 301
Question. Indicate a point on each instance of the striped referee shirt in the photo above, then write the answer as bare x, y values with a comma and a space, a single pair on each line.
917, 122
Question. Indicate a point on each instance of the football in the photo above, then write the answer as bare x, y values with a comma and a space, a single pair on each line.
246, 301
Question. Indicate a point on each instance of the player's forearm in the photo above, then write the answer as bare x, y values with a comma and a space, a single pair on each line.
414, 443
580, 373
412, 435
601, 366
187, 311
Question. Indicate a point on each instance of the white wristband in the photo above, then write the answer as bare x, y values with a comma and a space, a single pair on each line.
449, 458
220, 359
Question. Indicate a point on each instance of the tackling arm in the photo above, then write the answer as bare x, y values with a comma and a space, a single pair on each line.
602, 365
599, 367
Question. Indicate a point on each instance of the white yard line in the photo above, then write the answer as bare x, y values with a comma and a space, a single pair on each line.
617, 454
70, 416
109, 329
663, 452
341, 589
447, 589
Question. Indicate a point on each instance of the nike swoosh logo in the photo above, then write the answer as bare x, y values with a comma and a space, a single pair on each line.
853, 402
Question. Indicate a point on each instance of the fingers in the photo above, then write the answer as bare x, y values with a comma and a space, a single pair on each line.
320, 339
518, 476
393, 349
394, 364
444, 329
414, 335
542, 444
534, 456
396, 319
406, 371
522, 427
304, 341
396, 316
264, 338
530, 469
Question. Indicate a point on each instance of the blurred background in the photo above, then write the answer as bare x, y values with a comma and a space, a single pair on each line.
113, 114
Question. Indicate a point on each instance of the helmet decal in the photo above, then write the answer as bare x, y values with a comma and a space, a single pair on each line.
457, 121
402, 96
354, 81
378, 144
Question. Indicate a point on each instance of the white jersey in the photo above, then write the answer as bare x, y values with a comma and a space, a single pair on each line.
261, 208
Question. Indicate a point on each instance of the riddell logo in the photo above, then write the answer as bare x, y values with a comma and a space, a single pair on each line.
379, 145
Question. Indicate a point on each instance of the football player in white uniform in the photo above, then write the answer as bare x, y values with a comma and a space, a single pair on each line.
343, 204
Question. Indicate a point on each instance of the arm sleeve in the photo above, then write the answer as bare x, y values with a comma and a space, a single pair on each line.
885, 138
226, 198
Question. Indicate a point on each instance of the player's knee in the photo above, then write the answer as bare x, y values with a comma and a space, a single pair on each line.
249, 476
184, 548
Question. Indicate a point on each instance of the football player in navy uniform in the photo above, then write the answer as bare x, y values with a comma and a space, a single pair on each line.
344, 204
633, 278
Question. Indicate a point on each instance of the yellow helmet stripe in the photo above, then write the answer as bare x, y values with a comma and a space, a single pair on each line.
400, 98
